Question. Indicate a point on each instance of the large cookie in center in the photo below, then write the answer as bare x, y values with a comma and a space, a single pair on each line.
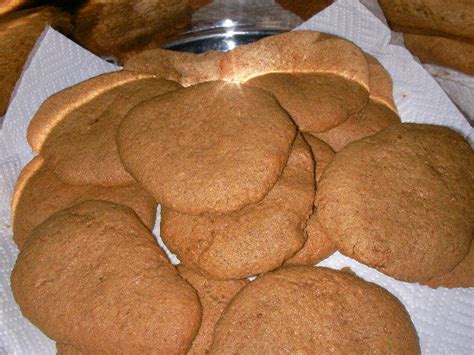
256, 239
213, 147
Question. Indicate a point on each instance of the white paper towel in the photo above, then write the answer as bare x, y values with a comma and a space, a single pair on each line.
444, 318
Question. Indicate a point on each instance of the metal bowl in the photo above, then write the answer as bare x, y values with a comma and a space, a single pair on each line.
221, 35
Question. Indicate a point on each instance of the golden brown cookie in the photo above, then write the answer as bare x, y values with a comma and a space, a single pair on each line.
212, 147
93, 277
256, 239
373, 118
18, 34
183, 67
401, 200
306, 310
319, 79
316, 102
117, 26
214, 296
65, 349
318, 245
461, 276
380, 84
431, 17
453, 53
379, 113
39, 194
74, 130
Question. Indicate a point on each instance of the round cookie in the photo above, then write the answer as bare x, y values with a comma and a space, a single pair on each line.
380, 84
379, 113
318, 245
306, 310
210, 148
93, 277
256, 239
318, 79
74, 130
214, 296
461, 276
373, 118
39, 194
184, 67
316, 102
401, 201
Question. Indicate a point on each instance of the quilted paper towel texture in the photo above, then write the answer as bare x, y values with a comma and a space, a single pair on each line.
444, 318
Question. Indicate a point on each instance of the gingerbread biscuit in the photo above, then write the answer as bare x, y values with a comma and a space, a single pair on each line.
318, 245
373, 118
39, 194
113, 27
74, 130
401, 201
454, 53
431, 17
380, 84
316, 102
183, 67
306, 310
18, 34
256, 239
93, 277
209, 148
214, 296
379, 113
461, 276
319, 79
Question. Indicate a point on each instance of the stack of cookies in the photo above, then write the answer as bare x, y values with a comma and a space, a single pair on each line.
265, 160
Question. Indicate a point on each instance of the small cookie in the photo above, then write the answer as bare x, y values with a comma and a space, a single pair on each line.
113, 27
214, 296
183, 67
461, 276
316, 102
39, 194
256, 239
209, 148
18, 34
373, 118
74, 130
401, 201
379, 113
454, 53
319, 79
93, 277
306, 310
318, 245
380, 84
